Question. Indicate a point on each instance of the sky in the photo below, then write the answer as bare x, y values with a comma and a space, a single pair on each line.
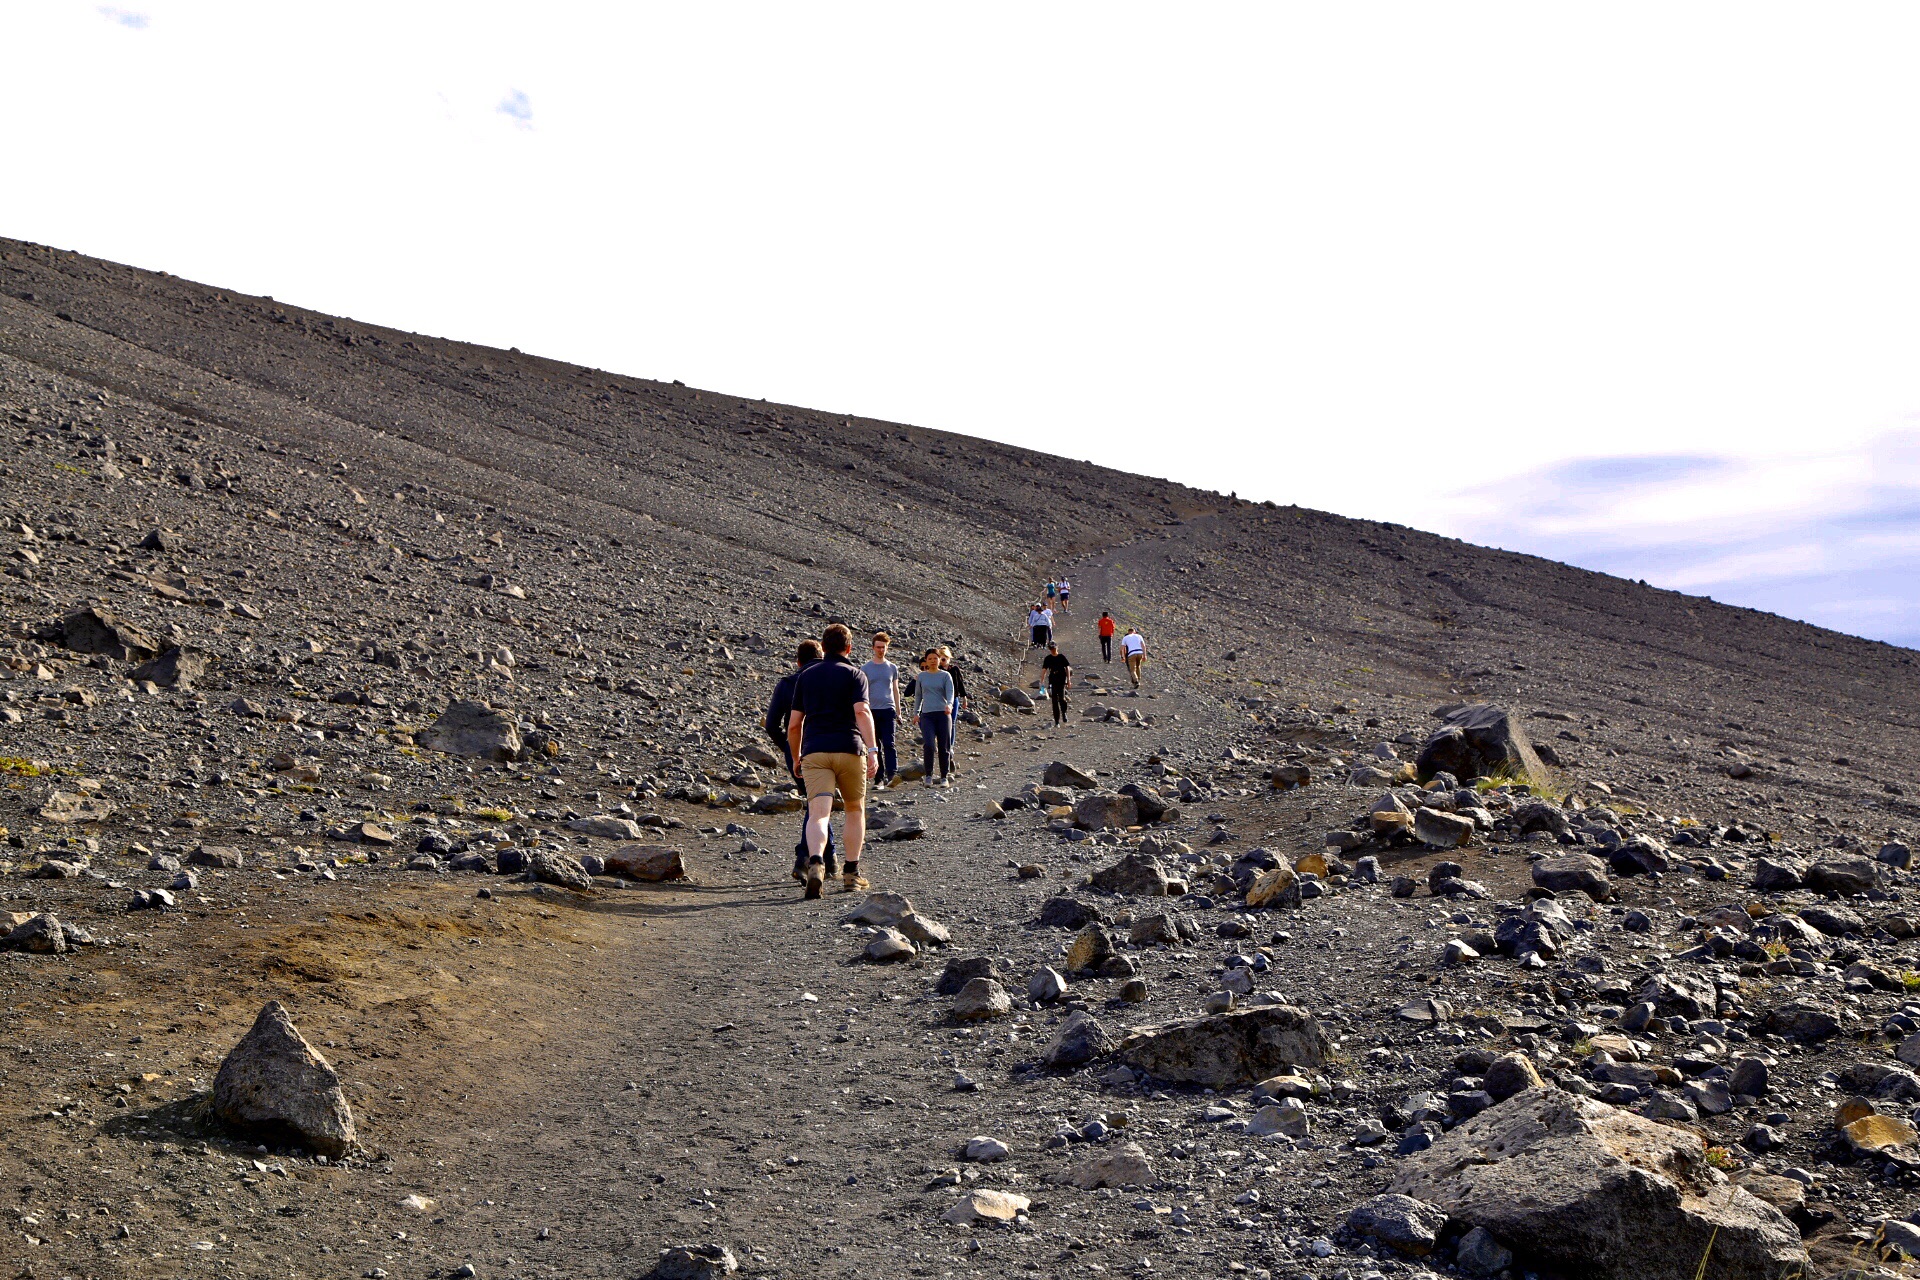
1633, 286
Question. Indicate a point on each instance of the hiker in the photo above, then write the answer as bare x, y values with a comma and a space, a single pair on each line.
959, 698
1051, 588
1037, 623
1046, 625
883, 699
934, 703
1066, 594
778, 709
1106, 636
830, 732
1133, 651
1059, 671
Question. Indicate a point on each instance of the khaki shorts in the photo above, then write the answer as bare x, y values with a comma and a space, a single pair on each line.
822, 771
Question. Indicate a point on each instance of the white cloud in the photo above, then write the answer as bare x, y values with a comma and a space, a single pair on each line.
124, 17
516, 107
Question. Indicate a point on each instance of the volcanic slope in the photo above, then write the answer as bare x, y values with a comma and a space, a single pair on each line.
350, 526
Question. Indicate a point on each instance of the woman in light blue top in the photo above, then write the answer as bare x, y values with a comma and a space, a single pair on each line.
933, 690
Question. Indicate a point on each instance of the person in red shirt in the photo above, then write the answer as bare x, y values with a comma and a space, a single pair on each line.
1106, 636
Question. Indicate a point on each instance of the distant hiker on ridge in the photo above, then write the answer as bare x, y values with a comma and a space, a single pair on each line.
1059, 671
1133, 649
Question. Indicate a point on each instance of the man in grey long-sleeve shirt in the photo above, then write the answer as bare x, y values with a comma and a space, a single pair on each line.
883, 685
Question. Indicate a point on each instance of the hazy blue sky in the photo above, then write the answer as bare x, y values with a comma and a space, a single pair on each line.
1635, 286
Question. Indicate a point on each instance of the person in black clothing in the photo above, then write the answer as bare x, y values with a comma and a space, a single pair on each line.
960, 707
778, 710
1058, 671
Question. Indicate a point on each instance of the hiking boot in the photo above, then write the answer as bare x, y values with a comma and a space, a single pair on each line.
800, 864
853, 881
816, 879
832, 867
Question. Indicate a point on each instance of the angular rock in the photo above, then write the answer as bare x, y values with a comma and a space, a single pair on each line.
1479, 1254
97, 629
1078, 1039
69, 807
652, 862
1804, 1019
883, 910
1046, 986
217, 855
1090, 949
1123, 1166
177, 668
276, 1084
1274, 887
695, 1262
1510, 1074
558, 869
1832, 919
607, 826
474, 729
982, 999
1843, 876
1441, 830
1594, 1191
889, 945
1062, 774
924, 930
1475, 740
1229, 1049
1104, 810
1137, 874
986, 1150
959, 972
981, 1205
1407, 1226
1776, 875
1574, 871
41, 933
1066, 913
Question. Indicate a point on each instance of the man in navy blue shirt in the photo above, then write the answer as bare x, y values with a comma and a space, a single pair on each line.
830, 732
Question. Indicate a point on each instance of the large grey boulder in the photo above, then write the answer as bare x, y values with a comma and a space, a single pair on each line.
98, 629
1576, 1185
469, 728
607, 826
1229, 1049
276, 1084
1103, 809
42, 933
1476, 739
1139, 874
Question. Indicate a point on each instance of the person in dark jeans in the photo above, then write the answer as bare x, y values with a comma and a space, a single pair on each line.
934, 703
778, 709
960, 707
1058, 671
1106, 636
883, 699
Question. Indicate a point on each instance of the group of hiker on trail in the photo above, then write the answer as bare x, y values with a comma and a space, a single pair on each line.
834, 723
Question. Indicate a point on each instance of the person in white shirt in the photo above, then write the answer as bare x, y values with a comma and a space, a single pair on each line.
1045, 634
1133, 648
1066, 593
1037, 623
